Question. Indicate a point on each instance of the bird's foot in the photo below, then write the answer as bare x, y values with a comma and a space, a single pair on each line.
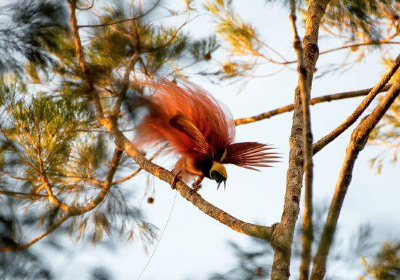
176, 179
195, 188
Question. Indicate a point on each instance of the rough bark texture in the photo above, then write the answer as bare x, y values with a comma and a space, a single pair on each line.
305, 92
357, 142
282, 238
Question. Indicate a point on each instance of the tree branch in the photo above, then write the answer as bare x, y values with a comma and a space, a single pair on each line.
258, 231
77, 39
313, 101
22, 195
82, 63
120, 21
282, 238
357, 143
75, 210
16, 248
79, 210
374, 43
305, 92
125, 82
320, 144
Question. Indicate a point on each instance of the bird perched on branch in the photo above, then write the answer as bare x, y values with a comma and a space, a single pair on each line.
198, 129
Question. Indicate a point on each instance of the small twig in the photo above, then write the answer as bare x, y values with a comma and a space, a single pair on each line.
120, 21
125, 83
19, 247
313, 101
373, 43
22, 195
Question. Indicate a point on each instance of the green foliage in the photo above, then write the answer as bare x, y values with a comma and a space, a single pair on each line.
241, 39
29, 29
241, 36
49, 136
386, 265
360, 27
360, 19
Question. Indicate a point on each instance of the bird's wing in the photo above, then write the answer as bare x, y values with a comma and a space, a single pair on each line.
250, 155
184, 125
186, 117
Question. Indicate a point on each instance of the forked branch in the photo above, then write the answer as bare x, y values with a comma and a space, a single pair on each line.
282, 239
357, 142
72, 211
320, 144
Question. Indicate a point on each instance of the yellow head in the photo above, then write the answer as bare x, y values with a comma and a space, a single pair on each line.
218, 173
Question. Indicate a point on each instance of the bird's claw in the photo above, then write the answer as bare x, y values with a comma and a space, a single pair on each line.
195, 188
176, 179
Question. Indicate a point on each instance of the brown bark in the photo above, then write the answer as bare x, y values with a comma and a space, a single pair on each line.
307, 150
258, 231
110, 123
282, 238
357, 142
320, 144
313, 101
72, 211
17, 248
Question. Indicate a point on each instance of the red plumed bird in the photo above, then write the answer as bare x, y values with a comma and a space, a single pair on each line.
197, 128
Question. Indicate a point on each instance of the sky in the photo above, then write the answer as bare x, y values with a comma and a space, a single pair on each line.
194, 245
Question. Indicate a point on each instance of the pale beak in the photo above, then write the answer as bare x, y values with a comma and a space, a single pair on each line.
219, 184
224, 185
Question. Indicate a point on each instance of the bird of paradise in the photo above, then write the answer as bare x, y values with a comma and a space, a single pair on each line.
194, 126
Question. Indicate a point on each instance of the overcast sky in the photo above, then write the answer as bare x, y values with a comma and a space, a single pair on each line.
194, 244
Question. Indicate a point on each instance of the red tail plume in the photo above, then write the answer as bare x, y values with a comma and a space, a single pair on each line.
186, 117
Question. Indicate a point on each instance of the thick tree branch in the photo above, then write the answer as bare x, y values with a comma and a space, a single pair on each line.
313, 101
258, 231
320, 144
357, 142
16, 248
305, 92
82, 63
77, 38
282, 238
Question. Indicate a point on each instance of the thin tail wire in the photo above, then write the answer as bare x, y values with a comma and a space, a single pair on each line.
159, 240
